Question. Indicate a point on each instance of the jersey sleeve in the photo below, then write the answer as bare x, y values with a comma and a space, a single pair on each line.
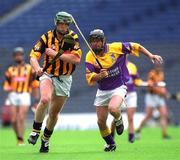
130, 48
90, 69
39, 47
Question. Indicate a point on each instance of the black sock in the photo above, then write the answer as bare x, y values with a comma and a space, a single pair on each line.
131, 137
37, 127
47, 134
20, 138
109, 139
113, 134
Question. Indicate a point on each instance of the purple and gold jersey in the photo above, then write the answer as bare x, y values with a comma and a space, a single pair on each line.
114, 60
134, 78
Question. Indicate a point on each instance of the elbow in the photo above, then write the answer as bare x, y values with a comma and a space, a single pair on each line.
32, 59
140, 48
77, 61
90, 83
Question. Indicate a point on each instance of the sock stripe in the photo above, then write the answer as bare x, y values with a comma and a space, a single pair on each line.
37, 131
47, 134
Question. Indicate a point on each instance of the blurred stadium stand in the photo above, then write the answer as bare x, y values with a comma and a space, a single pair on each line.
7, 7
155, 24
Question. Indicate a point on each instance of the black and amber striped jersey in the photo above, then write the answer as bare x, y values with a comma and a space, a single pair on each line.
154, 76
49, 40
20, 78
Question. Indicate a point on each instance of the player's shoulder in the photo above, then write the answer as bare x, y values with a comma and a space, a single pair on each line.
48, 32
10, 66
114, 44
89, 57
115, 47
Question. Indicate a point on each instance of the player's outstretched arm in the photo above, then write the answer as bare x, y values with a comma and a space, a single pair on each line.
154, 58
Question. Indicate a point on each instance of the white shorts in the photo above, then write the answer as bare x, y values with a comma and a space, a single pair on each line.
62, 84
153, 100
103, 97
131, 100
19, 99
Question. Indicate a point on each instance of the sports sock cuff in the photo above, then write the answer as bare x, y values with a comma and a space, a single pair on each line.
109, 139
20, 138
105, 132
119, 118
37, 126
47, 133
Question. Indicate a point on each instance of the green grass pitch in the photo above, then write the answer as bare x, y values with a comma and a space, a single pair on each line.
88, 145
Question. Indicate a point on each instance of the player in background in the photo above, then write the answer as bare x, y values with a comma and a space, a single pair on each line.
111, 79
156, 99
55, 82
20, 82
131, 99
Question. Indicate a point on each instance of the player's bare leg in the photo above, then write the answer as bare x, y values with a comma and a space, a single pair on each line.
149, 111
113, 127
114, 109
14, 111
163, 121
46, 89
130, 114
56, 105
102, 114
22, 112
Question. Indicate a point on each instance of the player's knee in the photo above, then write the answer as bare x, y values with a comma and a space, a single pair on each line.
13, 119
113, 110
21, 117
45, 100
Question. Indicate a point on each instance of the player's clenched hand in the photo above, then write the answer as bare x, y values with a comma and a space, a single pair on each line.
156, 59
50, 52
103, 73
39, 72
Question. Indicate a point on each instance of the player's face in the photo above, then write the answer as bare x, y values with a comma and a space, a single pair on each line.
18, 58
96, 43
62, 28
